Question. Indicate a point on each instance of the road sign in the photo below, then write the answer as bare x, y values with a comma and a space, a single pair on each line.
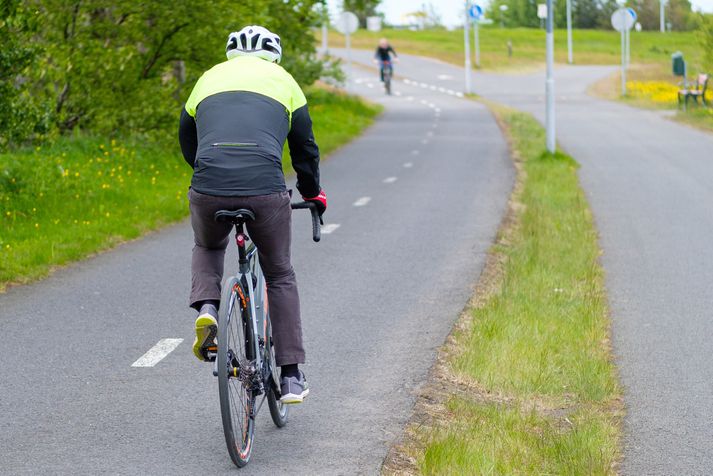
347, 23
623, 19
475, 12
541, 11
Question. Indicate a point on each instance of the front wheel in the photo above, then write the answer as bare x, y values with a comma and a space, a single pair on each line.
387, 83
237, 401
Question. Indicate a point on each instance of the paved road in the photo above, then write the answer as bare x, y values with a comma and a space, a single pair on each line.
650, 184
379, 294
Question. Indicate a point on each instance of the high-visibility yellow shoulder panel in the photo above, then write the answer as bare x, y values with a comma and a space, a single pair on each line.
248, 73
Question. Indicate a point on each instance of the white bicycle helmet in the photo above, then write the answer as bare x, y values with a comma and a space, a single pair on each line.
254, 41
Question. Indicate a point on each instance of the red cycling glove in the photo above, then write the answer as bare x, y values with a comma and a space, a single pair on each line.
320, 200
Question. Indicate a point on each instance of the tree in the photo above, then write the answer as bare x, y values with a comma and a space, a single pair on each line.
361, 8
126, 66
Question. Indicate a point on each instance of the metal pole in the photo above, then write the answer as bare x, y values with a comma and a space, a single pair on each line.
550, 83
477, 44
324, 38
623, 51
569, 31
349, 61
661, 16
628, 47
466, 37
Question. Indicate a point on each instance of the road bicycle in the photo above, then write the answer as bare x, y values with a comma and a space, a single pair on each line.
245, 356
387, 72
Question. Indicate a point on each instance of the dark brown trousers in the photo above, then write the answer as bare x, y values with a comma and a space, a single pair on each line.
271, 232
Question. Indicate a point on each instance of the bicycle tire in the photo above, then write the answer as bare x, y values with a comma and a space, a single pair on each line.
234, 337
278, 411
387, 83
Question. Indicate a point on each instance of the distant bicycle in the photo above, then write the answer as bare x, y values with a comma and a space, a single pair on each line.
245, 357
387, 71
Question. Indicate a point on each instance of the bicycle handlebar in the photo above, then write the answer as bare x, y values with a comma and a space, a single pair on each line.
316, 219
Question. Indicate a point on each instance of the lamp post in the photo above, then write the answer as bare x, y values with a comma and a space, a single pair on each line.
503, 9
569, 31
550, 82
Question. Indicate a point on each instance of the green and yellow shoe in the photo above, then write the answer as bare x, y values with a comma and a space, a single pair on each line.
204, 347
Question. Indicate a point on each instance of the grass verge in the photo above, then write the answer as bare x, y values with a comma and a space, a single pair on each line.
525, 383
528, 46
80, 195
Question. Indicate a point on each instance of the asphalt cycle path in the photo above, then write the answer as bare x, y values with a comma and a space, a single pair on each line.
649, 181
97, 371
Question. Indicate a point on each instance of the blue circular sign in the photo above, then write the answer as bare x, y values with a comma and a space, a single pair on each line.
475, 12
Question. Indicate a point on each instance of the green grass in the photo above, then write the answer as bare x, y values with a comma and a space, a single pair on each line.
528, 45
535, 355
79, 195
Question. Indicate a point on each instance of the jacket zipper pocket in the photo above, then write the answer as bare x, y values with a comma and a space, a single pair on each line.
234, 144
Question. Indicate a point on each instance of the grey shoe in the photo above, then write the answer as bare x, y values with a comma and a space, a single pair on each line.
293, 389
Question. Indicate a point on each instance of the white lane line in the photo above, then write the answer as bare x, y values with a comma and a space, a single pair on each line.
423, 85
408, 165
362, 201
444, 77
398, 93
407, 81
437, 110
369, 85
157, 353
409, 98
390, 180
432, 87
451, 92
429, 133
441, 89
424, 102
328, 228
415, 152
424, 141
460, 95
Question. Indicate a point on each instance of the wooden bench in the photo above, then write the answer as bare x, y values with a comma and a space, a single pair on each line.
699, 91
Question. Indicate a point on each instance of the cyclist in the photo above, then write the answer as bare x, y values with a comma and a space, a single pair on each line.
382, 56
232, 131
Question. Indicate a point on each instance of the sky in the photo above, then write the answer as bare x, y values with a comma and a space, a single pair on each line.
450, 9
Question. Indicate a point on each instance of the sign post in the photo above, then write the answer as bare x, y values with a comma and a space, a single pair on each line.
550, 82
623, 20
348, 23
466, 38
661, 16
476, 13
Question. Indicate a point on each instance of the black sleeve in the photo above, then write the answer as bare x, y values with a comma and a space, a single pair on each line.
188, 137
393, 51
304, 153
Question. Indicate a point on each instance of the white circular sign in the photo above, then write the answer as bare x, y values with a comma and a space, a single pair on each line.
622, 19
347, 23
475, 12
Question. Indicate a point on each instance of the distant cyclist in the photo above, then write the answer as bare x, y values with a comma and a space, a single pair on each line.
383, 56
232, 132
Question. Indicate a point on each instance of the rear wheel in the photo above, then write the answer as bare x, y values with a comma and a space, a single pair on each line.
237, 401
278, 410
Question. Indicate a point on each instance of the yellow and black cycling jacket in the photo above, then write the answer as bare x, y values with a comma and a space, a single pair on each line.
234, 126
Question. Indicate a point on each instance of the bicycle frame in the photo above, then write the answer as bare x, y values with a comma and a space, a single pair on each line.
252, 280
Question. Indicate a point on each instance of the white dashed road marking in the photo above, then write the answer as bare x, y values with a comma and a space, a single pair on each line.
415, 152
329, 228
362, 201
157, 353
460, 95
424, 141
390, 180
444, 77
408, 165
398, 93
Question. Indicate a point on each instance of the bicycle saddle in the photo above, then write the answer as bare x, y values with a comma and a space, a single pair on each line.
235, 217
